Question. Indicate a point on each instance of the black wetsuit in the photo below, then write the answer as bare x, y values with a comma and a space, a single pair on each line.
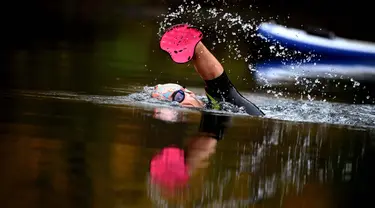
221, 89
214, 125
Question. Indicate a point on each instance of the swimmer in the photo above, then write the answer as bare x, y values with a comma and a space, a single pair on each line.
184, 44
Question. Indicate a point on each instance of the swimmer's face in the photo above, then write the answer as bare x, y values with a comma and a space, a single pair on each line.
177, 93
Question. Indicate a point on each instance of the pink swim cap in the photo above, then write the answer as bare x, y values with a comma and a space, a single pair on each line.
168, 168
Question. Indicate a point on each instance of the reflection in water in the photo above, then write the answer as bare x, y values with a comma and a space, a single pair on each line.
65, 153
168, 114
283, 165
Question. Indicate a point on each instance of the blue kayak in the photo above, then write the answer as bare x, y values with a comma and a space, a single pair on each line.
328, 44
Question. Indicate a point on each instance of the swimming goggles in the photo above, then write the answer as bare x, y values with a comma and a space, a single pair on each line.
178, 96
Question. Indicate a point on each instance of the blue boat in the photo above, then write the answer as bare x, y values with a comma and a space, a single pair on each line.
318, 42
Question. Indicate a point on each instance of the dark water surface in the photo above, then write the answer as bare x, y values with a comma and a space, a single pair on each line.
71, 153
74, 134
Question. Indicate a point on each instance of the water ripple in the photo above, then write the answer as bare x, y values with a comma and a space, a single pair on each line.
298, 110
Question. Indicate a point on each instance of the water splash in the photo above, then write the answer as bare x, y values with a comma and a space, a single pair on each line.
282, 108
316, 111
227, 29
235, 33
323, 77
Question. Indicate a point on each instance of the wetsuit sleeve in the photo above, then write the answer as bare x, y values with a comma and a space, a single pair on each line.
214, 125
221, 89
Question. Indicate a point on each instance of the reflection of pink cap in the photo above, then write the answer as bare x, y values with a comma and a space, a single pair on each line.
168, 168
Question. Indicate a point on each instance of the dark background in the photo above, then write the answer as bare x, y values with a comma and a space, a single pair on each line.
32, 19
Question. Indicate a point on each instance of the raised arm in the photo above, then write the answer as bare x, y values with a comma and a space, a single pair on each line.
218, 87
206, 64
183, 43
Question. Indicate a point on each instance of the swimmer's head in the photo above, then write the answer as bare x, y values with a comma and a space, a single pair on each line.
177, 93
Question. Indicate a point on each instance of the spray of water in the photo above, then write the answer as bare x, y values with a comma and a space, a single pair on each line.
230, 30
